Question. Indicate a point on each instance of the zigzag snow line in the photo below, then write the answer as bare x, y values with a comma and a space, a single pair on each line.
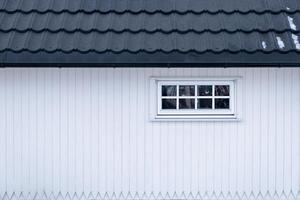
151, 196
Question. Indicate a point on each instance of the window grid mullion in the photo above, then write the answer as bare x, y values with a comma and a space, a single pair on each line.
186, 97
168, 97
177, 97
213, 97
204, 97
222, 97
196, 98
196, 93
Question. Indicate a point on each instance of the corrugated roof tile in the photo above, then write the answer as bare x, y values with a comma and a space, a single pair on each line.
151, 6
149, 26
147, 23
132, 42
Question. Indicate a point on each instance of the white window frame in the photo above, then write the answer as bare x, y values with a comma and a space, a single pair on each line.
196, 113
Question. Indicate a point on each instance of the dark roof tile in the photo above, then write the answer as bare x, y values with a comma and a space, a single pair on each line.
151, 6
101, 42
147, 23
141, 27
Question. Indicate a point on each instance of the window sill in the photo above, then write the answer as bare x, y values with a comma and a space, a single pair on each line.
229, 118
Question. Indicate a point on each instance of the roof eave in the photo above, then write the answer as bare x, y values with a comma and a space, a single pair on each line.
143, 59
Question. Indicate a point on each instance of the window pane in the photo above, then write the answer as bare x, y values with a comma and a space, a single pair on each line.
168, 103
186, 103
204, 103
222, 90
186, 90
168, 90
221, 103
204, 90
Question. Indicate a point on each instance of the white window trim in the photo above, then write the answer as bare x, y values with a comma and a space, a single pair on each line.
205, 114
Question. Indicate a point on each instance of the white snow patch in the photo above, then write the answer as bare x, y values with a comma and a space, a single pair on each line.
296, 41
288, 8
291, 22
280, 42
264, 45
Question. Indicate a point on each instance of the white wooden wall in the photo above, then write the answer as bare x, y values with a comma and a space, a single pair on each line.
85, 133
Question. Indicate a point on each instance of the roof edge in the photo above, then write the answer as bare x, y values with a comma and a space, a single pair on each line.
159, 59
149, 65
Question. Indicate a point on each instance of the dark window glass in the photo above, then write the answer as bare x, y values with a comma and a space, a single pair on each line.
221, 103
168, 103
221, 90
168, 90
186, 90
186, 103
204, 103
204, 90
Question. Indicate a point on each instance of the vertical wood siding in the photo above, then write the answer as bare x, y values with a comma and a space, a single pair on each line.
85, 133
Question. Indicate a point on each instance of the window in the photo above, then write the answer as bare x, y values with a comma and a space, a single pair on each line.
201, 98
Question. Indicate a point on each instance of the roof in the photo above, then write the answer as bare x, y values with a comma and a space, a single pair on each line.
150, 32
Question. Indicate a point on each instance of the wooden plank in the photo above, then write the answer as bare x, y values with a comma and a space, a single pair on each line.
89, 130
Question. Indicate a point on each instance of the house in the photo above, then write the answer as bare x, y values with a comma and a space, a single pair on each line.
149, 99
